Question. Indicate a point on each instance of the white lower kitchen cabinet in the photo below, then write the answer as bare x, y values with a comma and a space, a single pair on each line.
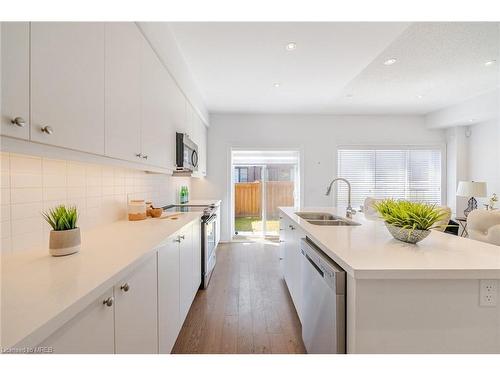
136, 328
186, 247
15, 87
292, 236
89, 332
169, 321
67, 85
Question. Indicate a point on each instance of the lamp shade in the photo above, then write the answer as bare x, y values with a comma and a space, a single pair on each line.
471, 189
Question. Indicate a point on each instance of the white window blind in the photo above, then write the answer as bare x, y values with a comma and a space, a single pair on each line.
399, 173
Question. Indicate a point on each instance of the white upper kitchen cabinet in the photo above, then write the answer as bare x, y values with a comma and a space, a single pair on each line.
175, 104
67, 85
124, 44
15, 79
136, 311
156, 124
169, 322
91, 331
203, 149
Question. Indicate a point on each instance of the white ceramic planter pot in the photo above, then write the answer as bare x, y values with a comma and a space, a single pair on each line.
407, 235
64, 242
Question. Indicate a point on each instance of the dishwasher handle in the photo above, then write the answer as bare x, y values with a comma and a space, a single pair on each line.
316, 267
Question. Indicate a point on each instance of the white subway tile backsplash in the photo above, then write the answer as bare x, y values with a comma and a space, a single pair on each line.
5, 229
26, 195
23, 226
54, 180
4, 162
5, 179
5, 196
5, 212
30, 185
5, 245
25, 180
54, 194
76, 192
26, 210
25, 164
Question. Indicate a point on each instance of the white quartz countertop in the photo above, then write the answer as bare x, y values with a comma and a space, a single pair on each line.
40, 293
202, 202
368, 251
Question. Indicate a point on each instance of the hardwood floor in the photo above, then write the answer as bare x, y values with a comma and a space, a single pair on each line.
246, 308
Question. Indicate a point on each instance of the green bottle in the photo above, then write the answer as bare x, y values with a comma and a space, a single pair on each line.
182, 195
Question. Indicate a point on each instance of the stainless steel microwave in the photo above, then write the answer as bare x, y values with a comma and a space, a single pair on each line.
186, 153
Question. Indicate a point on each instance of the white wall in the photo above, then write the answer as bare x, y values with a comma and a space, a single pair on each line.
484, 155
316, 135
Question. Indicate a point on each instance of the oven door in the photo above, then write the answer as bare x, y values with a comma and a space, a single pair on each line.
209, 249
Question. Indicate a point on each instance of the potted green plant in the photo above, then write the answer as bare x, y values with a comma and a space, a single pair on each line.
65, 235
410, 221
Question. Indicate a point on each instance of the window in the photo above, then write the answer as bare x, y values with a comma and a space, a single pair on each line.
398, 173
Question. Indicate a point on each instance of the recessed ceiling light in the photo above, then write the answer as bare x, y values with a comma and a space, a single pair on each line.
390, 61
472, 120
291, 46
349, 96
277, 84
489, 63
420, 96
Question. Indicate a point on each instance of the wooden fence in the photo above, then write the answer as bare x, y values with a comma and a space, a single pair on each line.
248, 198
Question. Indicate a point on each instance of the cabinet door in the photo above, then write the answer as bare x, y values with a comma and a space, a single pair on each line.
169, 322
155, 120
297, 270
136, 311
90, 332
196, 227
186, 271
67, 84
176, 108
123, 91
15, 79
287, 256
203, 149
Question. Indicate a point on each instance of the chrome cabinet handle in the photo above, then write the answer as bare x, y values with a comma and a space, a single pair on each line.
144, 156
125, 287
183, 237
108, 301
19, 121
139, 155
291, 227
47, 129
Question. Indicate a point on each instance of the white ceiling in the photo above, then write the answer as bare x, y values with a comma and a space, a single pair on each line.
235, 65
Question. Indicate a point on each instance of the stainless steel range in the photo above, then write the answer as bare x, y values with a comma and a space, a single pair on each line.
209, 237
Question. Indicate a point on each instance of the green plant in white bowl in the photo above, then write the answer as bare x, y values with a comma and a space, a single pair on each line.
65, 236
410, 221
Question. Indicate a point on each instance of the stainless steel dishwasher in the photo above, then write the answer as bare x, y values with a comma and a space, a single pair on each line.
323, 301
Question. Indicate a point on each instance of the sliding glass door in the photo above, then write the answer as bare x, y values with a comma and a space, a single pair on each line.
262, 182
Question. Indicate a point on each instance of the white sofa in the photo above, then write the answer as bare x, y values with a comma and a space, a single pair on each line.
484, 226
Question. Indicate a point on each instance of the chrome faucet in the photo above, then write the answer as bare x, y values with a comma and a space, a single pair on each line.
349, 211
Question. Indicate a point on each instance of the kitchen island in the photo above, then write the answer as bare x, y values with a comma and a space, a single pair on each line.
403, 298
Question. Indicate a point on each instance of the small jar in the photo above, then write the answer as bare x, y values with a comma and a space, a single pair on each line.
137, 210
149, 208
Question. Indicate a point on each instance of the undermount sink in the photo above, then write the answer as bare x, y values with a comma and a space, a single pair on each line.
317, 216
323, 218
334, 223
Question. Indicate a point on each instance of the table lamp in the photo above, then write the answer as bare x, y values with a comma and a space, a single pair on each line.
471, 189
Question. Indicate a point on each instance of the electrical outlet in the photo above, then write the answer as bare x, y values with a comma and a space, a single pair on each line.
488, 292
